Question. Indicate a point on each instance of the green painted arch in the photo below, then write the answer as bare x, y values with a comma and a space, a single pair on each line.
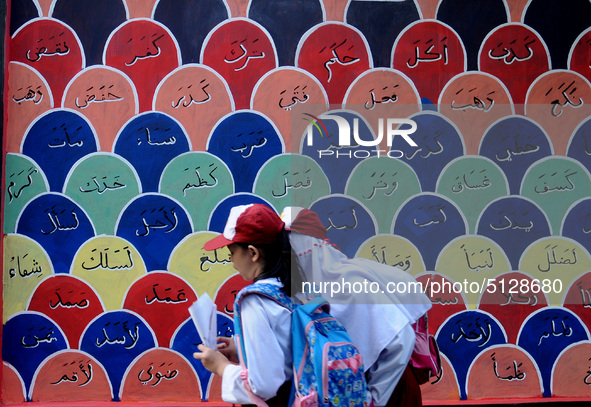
383, 184
102, 184
555, 183
199, 181
472, 182
291, 180
24, 180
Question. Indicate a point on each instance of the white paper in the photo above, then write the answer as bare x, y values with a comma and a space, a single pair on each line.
204, 315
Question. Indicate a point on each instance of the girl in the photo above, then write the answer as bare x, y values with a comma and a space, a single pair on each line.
378, 322
260, 251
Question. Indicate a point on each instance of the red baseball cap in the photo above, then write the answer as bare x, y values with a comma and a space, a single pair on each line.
304, 221
253, 224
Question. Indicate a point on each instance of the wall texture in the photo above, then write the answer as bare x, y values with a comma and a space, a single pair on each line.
132, 126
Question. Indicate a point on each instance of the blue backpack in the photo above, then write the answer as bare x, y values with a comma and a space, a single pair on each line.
328, 367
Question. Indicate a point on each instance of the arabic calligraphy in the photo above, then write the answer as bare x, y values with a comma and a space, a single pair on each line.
132, 335
385, 97
562, 256
434, 215
104, 93
432, 287
565, 93
154, 142
518, 149
165, 297
84, 368
467, 181
83, 303
521, 298
206, 260
380, 184
104, 185
478, 259
54, 219
477, 333
352, 225
297, 95
225, 329
63, 141
16, 194
229, 307
381, 257
516, 374
438, 148
564, 330
24, 271
476, 102
587, 379
427, 54
145, 376
340, 56
241, 56
30, 94
165, 220
296, 180
440, 300
202, 181
555, 182
187, 98
246, 149
516, 50
149, 44
587, 144
118, 259
585, 295
54, 45
32, 341
510, 221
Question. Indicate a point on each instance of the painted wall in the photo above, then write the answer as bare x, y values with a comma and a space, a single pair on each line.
133, 126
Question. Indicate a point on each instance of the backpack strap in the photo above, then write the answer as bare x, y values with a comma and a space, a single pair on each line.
272, 292
313, 304
309, 307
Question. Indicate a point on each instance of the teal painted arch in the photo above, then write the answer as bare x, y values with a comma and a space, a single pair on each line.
102, 184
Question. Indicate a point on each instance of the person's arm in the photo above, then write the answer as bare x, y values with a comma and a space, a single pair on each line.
267, 342
233, 390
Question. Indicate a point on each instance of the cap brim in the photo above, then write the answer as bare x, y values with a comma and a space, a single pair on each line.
216, 243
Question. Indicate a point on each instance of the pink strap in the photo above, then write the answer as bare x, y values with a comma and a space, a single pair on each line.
244, 376
253, 397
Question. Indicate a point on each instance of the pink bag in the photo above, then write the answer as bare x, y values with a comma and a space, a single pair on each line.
425, 360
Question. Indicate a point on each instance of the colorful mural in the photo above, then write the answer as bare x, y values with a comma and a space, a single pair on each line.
131, 127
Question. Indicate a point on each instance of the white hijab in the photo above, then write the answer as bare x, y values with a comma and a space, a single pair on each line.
371, 319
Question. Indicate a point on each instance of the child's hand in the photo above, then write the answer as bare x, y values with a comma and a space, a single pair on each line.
228, 348
212, 360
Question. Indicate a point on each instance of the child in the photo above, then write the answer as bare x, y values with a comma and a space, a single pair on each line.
379, 323
260, 251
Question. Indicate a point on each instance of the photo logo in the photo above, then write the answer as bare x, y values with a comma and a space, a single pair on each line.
316, 123
348, 138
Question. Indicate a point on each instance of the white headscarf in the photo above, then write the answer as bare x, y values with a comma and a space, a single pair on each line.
371, 319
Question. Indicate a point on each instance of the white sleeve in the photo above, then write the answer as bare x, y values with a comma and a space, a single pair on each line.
266, 327
384, 374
